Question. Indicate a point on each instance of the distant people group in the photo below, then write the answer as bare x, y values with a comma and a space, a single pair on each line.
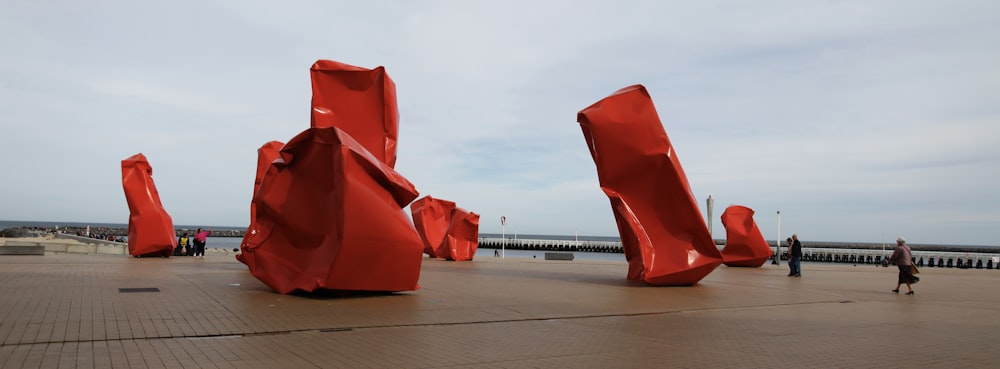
192, 246
901, 256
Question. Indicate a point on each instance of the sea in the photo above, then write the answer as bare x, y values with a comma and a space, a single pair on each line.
229, 243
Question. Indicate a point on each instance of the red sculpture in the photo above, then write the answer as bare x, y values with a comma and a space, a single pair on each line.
150, 229
745, 245
265, 155
329, 215
463, 236
447, 231
360, 101
432, 217
665, 239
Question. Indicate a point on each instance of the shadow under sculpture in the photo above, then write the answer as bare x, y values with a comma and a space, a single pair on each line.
150, 228
329, 216
447, 231
745, 245
665, 238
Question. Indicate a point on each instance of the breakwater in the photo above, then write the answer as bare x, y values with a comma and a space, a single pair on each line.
830, 252
948, 256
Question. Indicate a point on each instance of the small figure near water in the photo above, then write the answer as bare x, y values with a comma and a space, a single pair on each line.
904, 261
795, 257
183, 245
791, 268
200, 238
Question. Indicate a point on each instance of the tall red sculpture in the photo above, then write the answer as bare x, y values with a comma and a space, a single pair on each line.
665, 239
329, 215
360, 101
265, 155
446, 230
150, 229
745, 245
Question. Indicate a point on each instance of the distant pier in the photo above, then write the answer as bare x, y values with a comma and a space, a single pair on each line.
944, 256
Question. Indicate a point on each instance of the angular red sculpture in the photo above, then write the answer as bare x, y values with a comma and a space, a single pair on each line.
432, 217
463, 236
329, 215
265, 155
360, 101
447, 231
665, 239
745, 245
150, 229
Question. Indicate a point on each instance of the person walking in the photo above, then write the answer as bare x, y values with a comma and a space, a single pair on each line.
200, 237
904, 261
795, 256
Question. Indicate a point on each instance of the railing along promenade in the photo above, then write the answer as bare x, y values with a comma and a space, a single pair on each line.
947, 256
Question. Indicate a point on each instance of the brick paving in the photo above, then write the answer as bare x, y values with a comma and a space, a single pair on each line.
66, 311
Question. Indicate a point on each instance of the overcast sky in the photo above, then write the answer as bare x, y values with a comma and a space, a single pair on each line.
858, 120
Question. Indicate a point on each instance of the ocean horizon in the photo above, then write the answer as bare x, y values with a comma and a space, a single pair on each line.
4, 224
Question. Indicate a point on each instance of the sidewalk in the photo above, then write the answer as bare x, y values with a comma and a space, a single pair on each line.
66, 311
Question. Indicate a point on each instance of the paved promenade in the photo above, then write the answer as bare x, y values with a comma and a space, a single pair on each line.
67, 311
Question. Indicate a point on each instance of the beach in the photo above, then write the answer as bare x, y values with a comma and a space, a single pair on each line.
102, 311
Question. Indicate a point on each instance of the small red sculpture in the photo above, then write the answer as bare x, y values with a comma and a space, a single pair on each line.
745, 245
463, 236
329, 215
665, 239
432, 217
447, 231
361, 102
150, 229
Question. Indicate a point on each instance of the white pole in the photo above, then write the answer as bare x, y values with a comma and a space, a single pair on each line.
777, 255
503, 237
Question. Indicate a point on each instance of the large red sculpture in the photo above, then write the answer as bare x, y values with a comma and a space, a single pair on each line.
150, 229
665, 239
329, 215
745, 245
447, 231
265, 155
360, 101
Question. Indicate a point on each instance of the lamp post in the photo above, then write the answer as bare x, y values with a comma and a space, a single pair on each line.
710, 203
503, 236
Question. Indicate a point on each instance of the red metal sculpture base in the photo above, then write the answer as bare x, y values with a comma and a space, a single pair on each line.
447, 231
150, 229
745, 245
330, 216
665, 238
